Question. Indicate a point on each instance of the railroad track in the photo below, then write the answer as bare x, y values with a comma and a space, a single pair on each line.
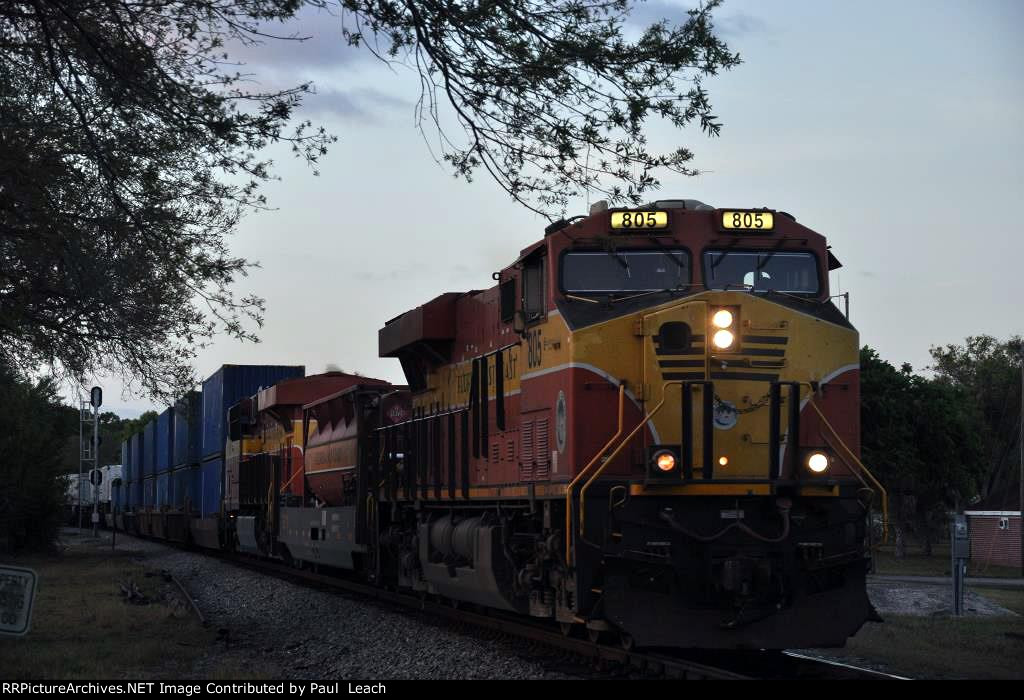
586, 658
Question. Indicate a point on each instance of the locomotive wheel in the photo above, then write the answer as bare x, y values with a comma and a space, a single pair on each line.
594, 635
567, 628
626, 641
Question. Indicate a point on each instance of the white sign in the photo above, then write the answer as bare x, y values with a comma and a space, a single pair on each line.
17, 591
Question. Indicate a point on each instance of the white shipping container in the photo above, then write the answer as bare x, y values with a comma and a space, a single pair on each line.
110, 472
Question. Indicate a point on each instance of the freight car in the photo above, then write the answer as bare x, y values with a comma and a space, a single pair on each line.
647, 429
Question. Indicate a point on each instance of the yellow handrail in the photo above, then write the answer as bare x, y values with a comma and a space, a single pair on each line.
568, 489
860, 465
615, 453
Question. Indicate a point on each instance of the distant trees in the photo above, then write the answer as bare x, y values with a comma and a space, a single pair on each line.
988, 371
31, 493
130, 147
924, 438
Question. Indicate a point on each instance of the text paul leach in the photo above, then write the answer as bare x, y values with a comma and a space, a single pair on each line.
192, 689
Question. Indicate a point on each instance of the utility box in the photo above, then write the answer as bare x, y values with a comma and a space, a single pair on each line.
960, 549
961, 538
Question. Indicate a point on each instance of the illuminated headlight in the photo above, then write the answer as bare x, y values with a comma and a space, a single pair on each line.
722, 318
723, 339
817, 462
665, 461
723, 461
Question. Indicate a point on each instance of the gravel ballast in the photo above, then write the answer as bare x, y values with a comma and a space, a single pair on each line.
274, 628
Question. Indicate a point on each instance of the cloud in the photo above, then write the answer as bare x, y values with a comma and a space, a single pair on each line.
729, 26
366, 105
311, 41
740, 24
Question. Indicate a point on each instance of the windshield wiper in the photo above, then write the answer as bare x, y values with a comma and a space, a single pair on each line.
677, 288
778, 247
679, 263
621, 259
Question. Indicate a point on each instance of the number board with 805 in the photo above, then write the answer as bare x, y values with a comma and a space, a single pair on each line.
748, 220
628, 221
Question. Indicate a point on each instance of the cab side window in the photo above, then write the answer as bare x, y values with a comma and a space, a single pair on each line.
534, 282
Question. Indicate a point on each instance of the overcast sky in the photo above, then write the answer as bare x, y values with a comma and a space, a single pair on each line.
894, 129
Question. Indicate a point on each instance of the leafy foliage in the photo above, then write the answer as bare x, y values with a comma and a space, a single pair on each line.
551, 96
923, 438
129, 147
988, 371
31, 492
127, 153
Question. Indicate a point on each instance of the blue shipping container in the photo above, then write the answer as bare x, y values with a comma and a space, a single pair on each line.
126, 460
226, 387
149, 492
179, 488
165, 440
187, 433
194, 492
149, 449
136, 457
210, 476
163, 486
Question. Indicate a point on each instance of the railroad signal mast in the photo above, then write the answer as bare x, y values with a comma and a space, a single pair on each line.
89, 451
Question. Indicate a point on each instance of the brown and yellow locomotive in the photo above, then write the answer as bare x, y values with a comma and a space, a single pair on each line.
648, 427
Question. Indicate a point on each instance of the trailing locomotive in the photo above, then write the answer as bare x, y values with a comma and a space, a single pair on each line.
648, 428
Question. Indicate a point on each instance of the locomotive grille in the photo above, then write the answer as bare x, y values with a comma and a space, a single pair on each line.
526, 450
534, 450
541, 453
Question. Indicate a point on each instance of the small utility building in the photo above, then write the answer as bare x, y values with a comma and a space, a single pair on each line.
995, 527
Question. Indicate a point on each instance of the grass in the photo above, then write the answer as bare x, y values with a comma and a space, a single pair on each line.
1009, 599
943, 647
915, 563
82, 628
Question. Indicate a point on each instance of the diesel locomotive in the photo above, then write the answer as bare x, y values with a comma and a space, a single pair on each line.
647, 429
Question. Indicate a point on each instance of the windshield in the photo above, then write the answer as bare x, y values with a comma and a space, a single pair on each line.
607, 272
795, 273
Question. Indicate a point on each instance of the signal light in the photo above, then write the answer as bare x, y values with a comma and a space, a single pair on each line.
663, 463
722, 318
723, 339
818, 462
723, 328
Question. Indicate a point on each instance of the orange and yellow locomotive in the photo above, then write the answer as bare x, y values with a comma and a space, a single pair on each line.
649, 427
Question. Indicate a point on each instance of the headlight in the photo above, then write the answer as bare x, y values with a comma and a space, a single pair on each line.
723, 339
722, 318
665, 461
817, 462
723, 461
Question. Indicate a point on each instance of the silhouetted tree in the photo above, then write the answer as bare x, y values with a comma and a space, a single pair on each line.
923, 438
31, 491
130, 147
988, 370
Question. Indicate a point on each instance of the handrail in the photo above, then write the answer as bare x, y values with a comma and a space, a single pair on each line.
297, 472
860, 465
568, 489
615, 453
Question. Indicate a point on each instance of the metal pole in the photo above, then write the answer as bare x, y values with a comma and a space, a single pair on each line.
95, 465
1020, 503
81, 437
